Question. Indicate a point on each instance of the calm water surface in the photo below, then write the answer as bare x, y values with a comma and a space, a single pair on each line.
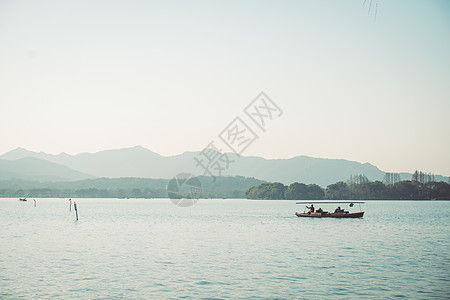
225, 249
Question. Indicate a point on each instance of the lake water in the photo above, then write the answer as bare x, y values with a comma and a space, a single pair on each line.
225, 249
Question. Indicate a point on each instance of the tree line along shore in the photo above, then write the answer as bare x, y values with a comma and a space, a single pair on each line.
357, 187
420, 187
130, 187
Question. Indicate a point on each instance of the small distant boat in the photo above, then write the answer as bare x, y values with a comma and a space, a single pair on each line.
336, 214
22, 199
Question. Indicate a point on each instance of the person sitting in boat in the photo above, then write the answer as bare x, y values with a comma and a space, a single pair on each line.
311, 208
320, 210
338, 209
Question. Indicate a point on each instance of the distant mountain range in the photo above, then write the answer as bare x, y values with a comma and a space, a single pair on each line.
141, 162
31, 168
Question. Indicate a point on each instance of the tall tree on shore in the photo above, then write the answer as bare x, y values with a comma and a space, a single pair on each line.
415, 176
391, 178
422, 177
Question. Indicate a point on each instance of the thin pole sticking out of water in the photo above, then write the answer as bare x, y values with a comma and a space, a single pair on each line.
76, 211
34, 202
70, 204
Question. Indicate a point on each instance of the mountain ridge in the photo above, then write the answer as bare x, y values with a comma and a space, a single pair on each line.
31, 168
139, 161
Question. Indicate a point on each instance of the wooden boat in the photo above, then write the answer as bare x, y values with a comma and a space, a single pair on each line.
22, 199
325, 214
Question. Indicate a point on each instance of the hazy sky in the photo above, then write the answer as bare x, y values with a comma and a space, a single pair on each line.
84, 76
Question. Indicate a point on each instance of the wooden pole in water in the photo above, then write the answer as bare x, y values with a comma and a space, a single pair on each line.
70, 204
34, 202
76, 211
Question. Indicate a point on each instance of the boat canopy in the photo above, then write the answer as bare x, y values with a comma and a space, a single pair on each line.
327, 202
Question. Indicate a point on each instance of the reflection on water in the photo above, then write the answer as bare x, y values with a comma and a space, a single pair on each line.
221, 248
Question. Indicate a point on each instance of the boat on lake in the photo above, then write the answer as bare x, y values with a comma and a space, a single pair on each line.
337, 213
22, 199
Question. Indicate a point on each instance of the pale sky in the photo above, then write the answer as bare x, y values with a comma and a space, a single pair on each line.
85, 76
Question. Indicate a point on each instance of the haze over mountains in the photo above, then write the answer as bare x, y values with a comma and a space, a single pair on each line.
31, 168
141, 162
